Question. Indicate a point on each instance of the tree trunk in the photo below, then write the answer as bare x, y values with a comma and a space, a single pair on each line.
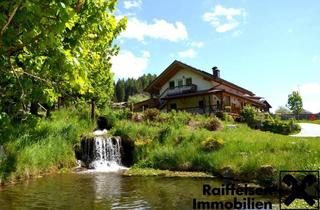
93, 110
34, 108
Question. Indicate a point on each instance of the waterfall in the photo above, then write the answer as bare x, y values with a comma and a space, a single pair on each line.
105, 154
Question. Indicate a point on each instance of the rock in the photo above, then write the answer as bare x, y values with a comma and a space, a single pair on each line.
227, 172
100, 132
102, 123
265, 175
231, 126
266, 172
137, 117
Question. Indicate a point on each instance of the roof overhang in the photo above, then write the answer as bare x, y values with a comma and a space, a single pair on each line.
170, 71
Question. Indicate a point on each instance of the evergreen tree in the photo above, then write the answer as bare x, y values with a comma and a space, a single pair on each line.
130, 87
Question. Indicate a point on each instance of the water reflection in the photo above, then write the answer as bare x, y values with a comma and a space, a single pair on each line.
104, 191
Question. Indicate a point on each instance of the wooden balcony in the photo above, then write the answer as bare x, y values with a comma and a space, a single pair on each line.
179, 90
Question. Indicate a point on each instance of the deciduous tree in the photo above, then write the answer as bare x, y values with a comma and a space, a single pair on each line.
295, 102
55, 48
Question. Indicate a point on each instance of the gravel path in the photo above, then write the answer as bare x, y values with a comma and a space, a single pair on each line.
309, 130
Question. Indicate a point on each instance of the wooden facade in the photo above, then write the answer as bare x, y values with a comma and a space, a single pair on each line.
183, 87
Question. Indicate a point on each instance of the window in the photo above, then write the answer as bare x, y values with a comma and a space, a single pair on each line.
171, 84
201, 104
180, 82
189, 81
173, 106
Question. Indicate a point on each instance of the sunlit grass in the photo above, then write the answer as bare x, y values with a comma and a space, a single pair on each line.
245, 151
45, 145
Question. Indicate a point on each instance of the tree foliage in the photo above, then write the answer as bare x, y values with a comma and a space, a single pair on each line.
56, 48
295, 102
282, 110
138, 98
130, 87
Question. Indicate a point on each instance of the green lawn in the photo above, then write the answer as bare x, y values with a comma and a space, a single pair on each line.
174, 141
309, 121
177, 146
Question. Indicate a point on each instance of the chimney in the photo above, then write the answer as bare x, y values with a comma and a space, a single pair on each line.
216, 72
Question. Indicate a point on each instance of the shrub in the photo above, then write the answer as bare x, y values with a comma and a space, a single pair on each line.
151, 114
212, 124
281, 127
219, 115
141, 142
248, 114
164, 134
225, 116
123, 114
227, 108
212, 144
137, 117
162, 117
266, 122
165, 158
294, 127
179, 118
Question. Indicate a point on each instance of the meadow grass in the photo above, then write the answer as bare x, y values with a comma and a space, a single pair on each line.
309, 121
172, 141
36, 146
176, 146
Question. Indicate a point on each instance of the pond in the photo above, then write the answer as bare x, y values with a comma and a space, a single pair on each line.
108, 191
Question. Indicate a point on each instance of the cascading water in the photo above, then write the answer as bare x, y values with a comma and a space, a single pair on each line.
103, 153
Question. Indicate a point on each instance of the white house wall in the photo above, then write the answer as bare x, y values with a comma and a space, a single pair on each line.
183, 74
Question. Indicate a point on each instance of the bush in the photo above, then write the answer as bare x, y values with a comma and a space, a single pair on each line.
266, 122
248, 114
137, 117
165, 158
151, 114
179, 118
212, 124
123, 114
281, 127
225, 116
164, 134
212, 144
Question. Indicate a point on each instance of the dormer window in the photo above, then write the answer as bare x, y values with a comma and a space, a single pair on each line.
171, 84
189, 81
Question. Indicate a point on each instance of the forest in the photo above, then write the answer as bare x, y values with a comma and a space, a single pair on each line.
131, 87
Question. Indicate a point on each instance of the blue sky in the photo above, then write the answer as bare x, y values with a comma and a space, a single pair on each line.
269, 47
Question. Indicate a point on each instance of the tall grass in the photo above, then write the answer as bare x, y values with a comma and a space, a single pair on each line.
176, 145
37, 145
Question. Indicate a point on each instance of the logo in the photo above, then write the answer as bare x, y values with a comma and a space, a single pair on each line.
299, 190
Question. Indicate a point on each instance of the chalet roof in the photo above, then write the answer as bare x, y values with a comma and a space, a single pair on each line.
156, 84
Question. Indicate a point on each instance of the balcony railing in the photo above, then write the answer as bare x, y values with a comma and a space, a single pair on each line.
179, 90
200, 110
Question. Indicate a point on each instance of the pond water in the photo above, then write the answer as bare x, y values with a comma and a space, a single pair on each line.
108, 191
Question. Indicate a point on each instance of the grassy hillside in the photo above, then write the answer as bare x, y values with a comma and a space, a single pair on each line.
174, 141
36, 146
179, 141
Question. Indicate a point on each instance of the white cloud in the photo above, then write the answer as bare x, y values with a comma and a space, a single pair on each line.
126, 64
224, 19
196, 44
190, 53
310, 93
159, 29
132, 4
